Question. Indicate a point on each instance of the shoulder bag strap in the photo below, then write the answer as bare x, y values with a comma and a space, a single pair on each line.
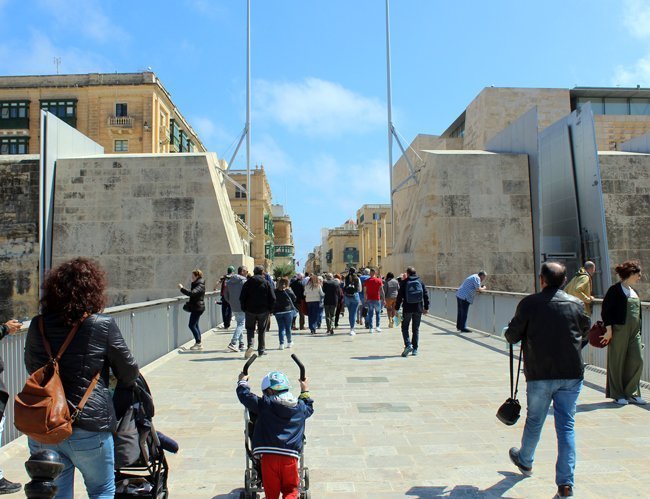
514, 387
41, 329
84, 399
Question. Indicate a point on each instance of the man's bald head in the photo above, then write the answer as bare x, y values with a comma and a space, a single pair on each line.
553, 274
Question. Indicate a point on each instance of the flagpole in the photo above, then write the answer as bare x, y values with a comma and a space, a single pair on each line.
389, 99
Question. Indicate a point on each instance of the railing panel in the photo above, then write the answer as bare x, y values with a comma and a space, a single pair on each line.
481, 313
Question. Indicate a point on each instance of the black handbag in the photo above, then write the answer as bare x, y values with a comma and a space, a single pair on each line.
510, 410
187, 307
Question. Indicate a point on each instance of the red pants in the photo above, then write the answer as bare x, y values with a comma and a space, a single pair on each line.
280, 474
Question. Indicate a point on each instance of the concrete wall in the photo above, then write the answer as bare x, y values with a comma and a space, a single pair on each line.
18, 237
469, 210
614, 130
626, 196
148, 219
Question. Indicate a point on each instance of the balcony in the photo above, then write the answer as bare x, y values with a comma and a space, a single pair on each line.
120, 121
14, 123
284, 251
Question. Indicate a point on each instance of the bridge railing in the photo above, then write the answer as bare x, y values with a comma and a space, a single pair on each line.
150, 329
492, 311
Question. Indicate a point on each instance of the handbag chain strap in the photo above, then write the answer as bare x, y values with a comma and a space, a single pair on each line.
514, 387
55, 360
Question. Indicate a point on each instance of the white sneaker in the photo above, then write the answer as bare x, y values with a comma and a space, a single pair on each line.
621, 402
372, 330
378, 330
637, 400
352, 333
281, 346
196, 346
290, 344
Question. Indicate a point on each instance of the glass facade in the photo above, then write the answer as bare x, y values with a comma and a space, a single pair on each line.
14, 145
616, 105
65, 110
14, 114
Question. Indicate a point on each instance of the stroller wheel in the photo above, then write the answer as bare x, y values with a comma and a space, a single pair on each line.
305, 494
305, 477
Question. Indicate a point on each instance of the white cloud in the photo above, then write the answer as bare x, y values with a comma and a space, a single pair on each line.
636, 17
318, 107
639, 74
85, 17
36, 56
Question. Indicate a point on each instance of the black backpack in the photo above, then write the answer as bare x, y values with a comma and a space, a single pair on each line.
350, 288
414, 292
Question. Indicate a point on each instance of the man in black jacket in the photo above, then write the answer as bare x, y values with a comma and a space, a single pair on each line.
550, 325
413, 296
10, 327
257, 299
298, 289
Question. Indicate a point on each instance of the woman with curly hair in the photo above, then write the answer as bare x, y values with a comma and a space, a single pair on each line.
196, 305
73, 297
621, 313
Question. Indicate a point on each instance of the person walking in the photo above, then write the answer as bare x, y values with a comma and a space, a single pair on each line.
465, 297
226, 308
313, 295
196, 305
298, 288
550, 325
332, 292
391, 288
283, 310
257, 299
413, 295
362, 314
73, 297
581, 285
351, 290
621, 314
8, 328
373, 293
232, 294
339, 305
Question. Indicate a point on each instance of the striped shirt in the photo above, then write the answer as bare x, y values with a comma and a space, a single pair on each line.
467, 290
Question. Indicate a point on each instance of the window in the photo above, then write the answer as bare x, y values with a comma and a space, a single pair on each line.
121, 146
242, 216
351, 255
329, 255
376, 216
63, 109
640, 106
14, 145
121, 110
240, 194
361, 219
14, 114
616, 105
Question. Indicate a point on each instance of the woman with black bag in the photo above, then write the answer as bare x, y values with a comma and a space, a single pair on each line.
195, 306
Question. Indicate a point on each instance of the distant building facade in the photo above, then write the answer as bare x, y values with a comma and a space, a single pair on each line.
284, 250
123, 112
342, 248
375, 234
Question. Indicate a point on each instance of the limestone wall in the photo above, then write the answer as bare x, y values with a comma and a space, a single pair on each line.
469, 210
148, 219
18, 237
626, 196
613, 130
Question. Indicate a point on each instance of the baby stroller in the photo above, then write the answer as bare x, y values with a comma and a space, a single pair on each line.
140, 466
253, 473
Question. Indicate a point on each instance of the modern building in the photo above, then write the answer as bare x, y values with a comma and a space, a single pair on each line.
283, 233
261, 223
343, 248
123, 112
375, 234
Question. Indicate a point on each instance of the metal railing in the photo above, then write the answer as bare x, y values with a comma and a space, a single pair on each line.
492, 311
150, 329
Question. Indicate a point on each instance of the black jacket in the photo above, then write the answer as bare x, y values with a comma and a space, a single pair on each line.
614, 308
332, 290
257, 295
97, 346
284, 300
411, 307
550, 325
298, 289
197, 295
4, 395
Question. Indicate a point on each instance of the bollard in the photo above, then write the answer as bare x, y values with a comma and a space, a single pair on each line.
43, 467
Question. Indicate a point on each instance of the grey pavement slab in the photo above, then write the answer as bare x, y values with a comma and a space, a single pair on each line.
385, 426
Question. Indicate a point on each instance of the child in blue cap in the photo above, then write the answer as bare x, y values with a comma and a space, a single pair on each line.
279, 430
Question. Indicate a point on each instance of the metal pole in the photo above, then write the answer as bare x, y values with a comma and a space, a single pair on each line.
389, 100
248, 121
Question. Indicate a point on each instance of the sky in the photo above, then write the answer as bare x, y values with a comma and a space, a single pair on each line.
318, 71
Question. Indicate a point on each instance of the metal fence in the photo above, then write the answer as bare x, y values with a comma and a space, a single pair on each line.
150, 329
492, 311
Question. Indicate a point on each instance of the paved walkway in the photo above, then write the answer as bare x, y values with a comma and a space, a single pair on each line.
386, 426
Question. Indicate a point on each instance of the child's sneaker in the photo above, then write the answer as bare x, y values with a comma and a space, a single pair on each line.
232, 347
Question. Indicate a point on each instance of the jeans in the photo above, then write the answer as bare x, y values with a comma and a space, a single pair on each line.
373, 310
91, 452
2, 427
313, 311
352, 304
259, 320
226, 313
406, 321
194, 325
237, 335
564, 395
461, 316
284, 325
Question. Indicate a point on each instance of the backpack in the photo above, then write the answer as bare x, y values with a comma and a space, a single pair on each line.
41, 409
350, 288
414, 292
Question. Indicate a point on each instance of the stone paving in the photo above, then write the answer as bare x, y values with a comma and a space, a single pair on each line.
386, 426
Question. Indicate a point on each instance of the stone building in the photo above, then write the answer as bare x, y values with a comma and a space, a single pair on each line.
283, 232
123, 112
343, 248
261, 223
375, 235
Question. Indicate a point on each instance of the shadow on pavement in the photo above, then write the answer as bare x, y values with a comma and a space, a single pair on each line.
234, 494
216, 359
497, 490
597, 406
377, 357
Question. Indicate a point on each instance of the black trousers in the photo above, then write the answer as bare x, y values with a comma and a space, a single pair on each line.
260, 322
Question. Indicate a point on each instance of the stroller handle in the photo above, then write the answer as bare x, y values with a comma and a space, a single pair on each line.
248, 364
300, 365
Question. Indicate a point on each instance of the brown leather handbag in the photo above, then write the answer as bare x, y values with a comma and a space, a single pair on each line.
41, 409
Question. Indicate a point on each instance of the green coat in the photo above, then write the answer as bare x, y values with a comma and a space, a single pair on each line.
580, 287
